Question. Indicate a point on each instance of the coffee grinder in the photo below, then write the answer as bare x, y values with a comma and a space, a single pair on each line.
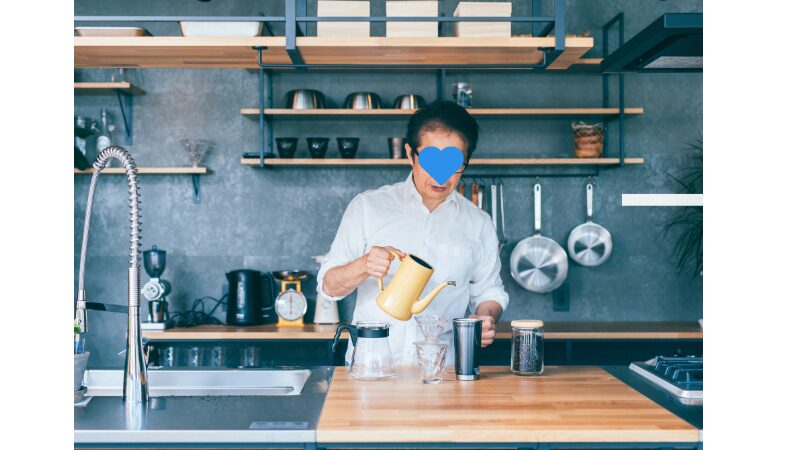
156, 290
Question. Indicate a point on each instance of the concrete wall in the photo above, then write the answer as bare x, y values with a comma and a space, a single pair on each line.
270, 219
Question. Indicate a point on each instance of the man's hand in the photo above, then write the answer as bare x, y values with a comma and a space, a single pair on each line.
488, 312
378, 259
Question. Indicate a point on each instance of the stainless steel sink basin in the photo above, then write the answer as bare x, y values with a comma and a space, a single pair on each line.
199, 382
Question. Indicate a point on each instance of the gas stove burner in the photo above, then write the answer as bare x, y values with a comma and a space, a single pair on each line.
681, 376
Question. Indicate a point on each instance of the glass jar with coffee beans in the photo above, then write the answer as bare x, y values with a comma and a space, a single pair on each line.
527, 347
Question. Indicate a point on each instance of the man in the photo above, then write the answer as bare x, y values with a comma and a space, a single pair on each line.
427, 219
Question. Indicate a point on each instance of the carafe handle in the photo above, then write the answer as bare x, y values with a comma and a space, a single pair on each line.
380, 280
352, 329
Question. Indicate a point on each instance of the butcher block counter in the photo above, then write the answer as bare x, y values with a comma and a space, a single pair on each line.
552, 330
564, 405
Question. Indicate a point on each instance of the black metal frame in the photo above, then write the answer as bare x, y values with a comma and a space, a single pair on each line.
296, 21
619, 19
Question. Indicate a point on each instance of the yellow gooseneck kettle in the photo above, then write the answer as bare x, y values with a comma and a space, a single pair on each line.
401, 298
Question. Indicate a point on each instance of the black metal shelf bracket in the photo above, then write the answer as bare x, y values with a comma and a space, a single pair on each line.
619, 19
125, 101
196, 188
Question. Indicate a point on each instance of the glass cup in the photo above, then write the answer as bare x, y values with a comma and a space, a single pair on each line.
218, 356
168, 356
194, 357
250, 356
430, 358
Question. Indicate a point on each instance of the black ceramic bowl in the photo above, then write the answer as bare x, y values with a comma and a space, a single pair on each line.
286, 146
317, 146
347, 146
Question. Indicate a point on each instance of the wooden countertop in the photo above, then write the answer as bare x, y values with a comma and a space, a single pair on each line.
553, 330
565, 404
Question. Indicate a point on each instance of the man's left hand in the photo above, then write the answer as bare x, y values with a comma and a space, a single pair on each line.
489, 330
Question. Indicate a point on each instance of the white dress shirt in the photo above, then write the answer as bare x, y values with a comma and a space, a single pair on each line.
457, 239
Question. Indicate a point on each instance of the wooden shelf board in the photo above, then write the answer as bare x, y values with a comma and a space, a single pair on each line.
149, 171
552, 330
181, 51
546, 112
104, 88
176, 51
473, 162
440, 50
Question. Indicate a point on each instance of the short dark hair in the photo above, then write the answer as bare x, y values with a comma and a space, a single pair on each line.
443, 115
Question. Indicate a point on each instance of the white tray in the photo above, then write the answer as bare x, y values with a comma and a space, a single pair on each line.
111, 31
221, 29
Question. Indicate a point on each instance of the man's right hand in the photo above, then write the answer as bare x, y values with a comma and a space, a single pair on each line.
378, 259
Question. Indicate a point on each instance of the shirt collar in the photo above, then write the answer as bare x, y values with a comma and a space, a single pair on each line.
410, 193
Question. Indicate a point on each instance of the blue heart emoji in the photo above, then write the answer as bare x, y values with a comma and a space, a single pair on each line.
441, 164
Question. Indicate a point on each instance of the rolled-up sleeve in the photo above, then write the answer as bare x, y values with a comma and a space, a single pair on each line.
485, 283
349, 243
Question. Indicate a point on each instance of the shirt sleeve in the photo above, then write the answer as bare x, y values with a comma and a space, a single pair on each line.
348, 244
485, 283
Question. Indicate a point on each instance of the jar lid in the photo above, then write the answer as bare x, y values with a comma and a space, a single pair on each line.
527, 324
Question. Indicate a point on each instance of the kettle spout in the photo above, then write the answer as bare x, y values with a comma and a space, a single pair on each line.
423, 303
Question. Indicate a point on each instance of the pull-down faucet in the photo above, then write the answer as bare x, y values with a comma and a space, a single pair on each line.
134, 388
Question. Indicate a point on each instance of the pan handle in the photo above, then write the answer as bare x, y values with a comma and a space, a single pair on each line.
589, 192
537, 207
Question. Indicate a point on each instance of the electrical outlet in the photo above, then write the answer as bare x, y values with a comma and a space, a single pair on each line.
561, 298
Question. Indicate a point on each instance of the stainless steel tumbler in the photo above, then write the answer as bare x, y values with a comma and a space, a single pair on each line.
467, 341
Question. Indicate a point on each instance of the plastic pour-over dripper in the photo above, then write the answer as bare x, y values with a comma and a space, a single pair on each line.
431, 327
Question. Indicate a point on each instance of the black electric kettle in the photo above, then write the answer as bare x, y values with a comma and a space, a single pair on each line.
251, 295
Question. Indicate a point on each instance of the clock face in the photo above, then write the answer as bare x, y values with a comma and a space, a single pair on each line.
291, 305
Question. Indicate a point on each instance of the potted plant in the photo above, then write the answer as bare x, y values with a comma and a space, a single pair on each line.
688, 221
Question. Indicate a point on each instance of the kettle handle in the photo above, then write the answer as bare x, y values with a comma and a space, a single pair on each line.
396, 255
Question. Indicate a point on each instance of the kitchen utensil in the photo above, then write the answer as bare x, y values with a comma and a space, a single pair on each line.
431, 327
196, 149
372, 357
290, 305
397, 147
157, 309
347, 146
304, 99
246, 297
317, 146
362, 100
430, 359
462, 94
220, 29
501, 234
286, 146
409, 101
401, 298
493, 205
527, 347
79, 160
467, 341
587, 140
325, 311
111, 31
156, 289
589, 244
538, 263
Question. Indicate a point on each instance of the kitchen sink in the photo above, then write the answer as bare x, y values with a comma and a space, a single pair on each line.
203, 382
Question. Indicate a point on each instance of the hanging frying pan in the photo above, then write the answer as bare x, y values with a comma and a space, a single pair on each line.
589, 244
538, 263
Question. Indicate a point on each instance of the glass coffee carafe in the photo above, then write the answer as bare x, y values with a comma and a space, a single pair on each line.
372, 358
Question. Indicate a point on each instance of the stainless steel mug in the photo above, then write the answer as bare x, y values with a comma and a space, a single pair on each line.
157, 311
397, 148
467, 341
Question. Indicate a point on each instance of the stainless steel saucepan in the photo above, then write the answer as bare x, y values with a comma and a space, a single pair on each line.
538, 263
589, 244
